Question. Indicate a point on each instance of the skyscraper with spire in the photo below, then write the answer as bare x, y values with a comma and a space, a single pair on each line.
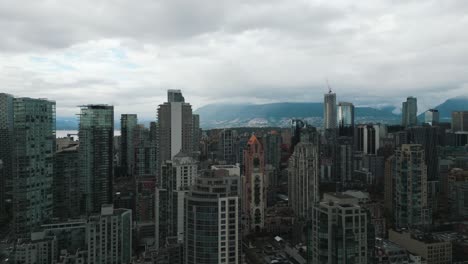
329, 110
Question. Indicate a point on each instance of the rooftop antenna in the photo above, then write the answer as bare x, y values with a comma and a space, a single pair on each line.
329, 88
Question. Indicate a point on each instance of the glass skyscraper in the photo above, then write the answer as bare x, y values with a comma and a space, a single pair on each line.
34, 129
345, 119
96, 133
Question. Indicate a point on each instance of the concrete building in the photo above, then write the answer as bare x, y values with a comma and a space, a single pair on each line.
340, 232
109, 236
6, 151
96, 134
410, 194
304, 174
329, 110
433, 250
460, 121
345, 119
212, 219
38, 249
387, 252
253, 182
409, 112
431, 117
175, 127
66, 182
128, 122
177, 175
34, 131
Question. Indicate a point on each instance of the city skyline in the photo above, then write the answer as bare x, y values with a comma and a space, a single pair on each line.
256, 52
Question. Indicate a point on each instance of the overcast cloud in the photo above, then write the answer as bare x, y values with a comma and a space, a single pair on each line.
128, 53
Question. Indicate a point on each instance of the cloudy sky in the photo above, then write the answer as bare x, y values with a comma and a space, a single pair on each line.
128, 53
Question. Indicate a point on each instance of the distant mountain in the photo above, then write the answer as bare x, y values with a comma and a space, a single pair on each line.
447, 107
72, 123
280, 114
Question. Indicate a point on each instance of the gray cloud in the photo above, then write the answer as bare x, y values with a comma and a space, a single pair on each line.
128, 53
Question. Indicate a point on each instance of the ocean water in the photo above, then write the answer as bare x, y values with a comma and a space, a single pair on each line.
74, 133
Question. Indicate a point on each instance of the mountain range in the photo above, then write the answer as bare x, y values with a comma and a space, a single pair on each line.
280, 114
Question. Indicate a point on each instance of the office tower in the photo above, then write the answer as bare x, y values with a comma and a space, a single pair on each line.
340, 231
34, 126
409, 112
145, 200
196, 133
272, 143
329, 110
128, 122
175, 128
109, 236
375, 165
66, 184
410, 197
389, 184
6, 151
226, 148
254, 196
430, 138
96, 134
368, 137
145, 152
343, 162
459, 121
345, 119
212, 221
177, 175
304, 174
431, 117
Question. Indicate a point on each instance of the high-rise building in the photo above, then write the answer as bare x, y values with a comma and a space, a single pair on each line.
431, 117
368, 137
6, 150
109, 236
340, 231
175, 128
177, 175
304, 174
410, 194
254, 196
96, 134
145, 152
196, 133
66, 183
458, 193
226, 148
128, 122
272, 142
329, 110
409, 112
212, 221
34, 126
346, 119
343, 162
459, 121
